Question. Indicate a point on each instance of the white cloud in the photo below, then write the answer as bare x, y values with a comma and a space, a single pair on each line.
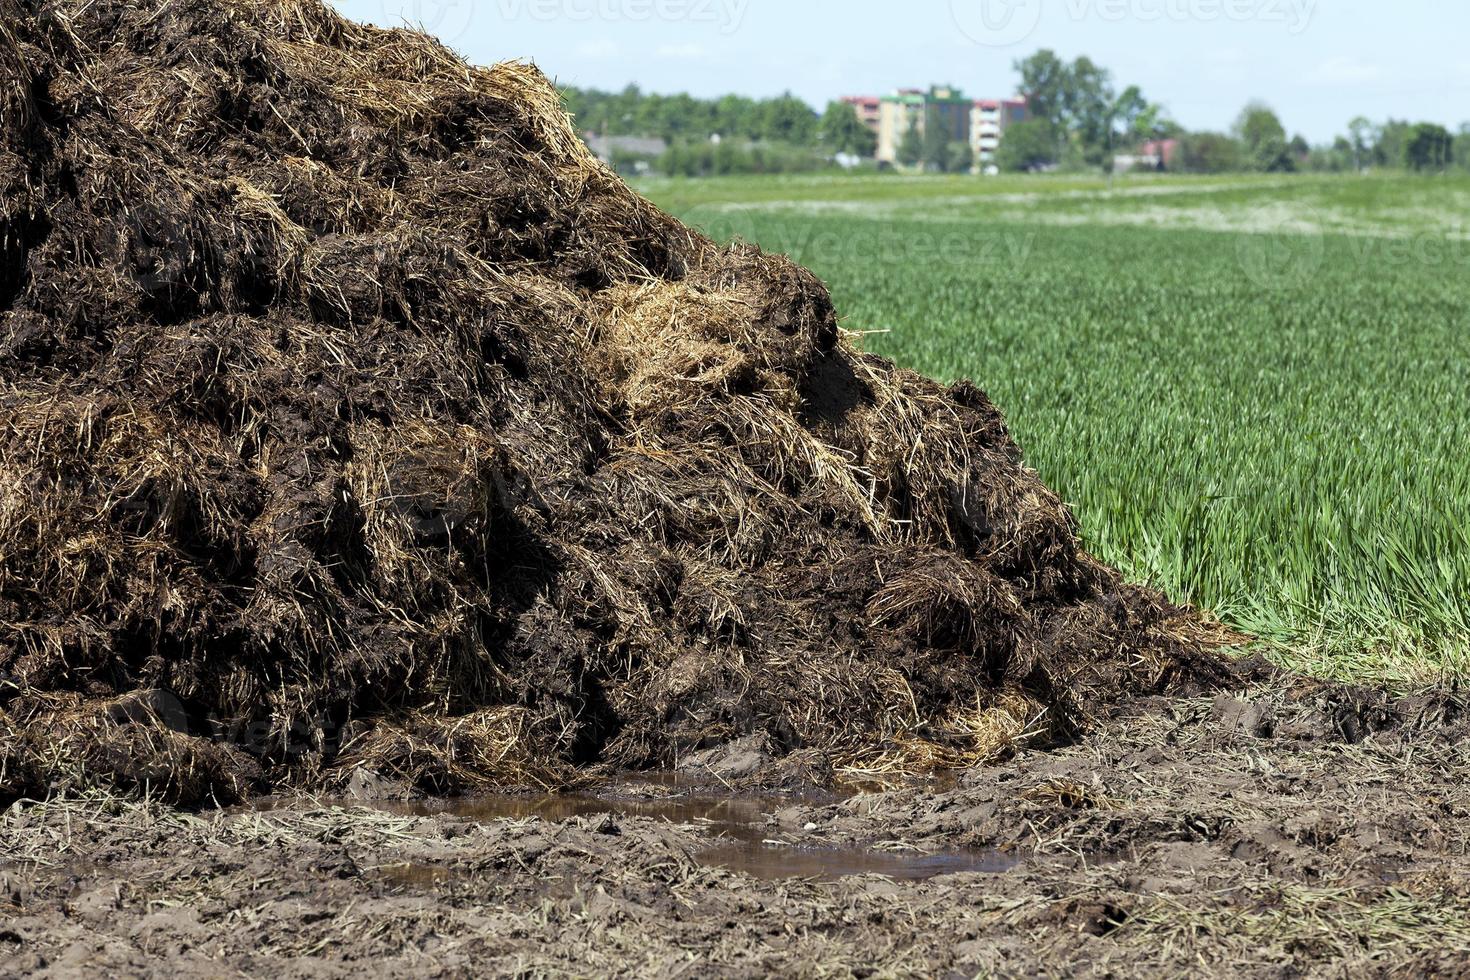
1345, 71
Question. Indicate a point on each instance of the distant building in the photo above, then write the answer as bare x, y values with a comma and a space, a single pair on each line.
1152, 155
1164, 151
908, 107
989, 119
980, 123
603, 147
868, 108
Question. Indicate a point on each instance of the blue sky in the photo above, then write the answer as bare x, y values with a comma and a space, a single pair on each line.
1318, 62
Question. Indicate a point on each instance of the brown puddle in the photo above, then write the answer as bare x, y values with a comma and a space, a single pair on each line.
749, 844
770, 861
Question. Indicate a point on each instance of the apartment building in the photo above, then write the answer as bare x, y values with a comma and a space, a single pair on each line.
979, 122
989, 119
940, 105
869, 109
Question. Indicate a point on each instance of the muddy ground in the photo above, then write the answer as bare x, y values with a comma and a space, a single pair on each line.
1274, 835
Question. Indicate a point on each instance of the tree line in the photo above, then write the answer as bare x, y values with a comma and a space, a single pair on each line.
727, 135
1077, 119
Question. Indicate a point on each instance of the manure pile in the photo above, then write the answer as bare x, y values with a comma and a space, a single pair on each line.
352, 416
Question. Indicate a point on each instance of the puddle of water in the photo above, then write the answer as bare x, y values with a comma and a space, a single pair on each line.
736, 815
771, 862
740, 822
425, 877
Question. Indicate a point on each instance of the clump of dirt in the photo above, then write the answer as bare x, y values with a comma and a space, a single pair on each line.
355, 417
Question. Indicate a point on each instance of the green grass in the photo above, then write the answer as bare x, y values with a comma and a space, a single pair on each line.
1254, 392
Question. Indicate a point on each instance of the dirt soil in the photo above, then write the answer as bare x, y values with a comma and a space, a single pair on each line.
1281, 834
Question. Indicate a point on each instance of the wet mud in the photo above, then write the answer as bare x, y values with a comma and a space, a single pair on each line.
1282, 833
747, 833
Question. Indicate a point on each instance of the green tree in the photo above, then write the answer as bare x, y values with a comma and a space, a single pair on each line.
1133, 117
911, 147
936, 141
1429, 148
1046, 82
1091, 107
843, 132
960, 159
1338, 158
1263, 139
1388, 150
1363, 137
789, 120
682, 116
1462, 147
1027, 145
1087, 116
736, 118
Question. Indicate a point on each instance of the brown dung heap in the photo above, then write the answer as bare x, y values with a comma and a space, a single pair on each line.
355, 417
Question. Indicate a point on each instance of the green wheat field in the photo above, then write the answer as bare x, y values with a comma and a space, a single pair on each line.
1254, 391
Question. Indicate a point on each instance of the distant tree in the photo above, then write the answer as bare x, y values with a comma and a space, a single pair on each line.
937, 139
1209, 153
1088, 117
911, 147
1361, 130
843, 132
736, 117
1388, 150
682, 116
1338, 158
787, 119
961, 158
1300, 148
1462, 147
1027, 145
1091, 106
1429, 148
1133, 118
678, 161
1263, 139
1046, 82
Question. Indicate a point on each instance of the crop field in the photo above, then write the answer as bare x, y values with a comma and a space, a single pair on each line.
1252, 391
